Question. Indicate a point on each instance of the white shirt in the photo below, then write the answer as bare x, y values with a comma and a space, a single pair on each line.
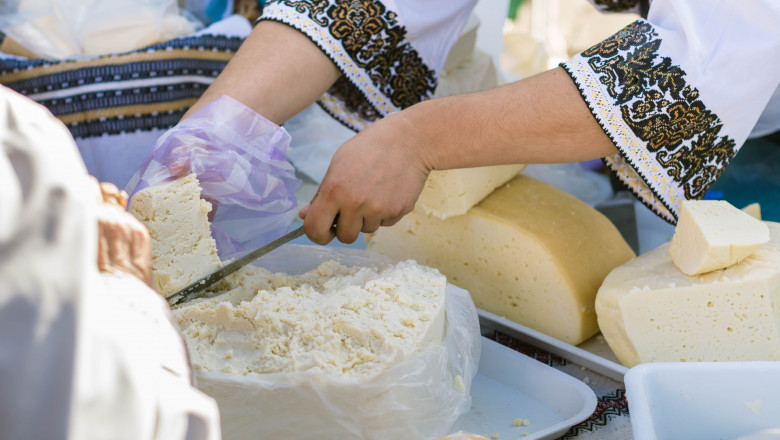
83, 355
680, 92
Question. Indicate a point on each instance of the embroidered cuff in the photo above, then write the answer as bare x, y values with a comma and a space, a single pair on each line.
671, 145
382, 72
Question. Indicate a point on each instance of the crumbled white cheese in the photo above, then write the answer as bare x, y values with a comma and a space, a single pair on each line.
351, 322
521, 422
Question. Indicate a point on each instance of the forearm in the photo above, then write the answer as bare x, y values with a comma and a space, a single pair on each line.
541, 119
277, 72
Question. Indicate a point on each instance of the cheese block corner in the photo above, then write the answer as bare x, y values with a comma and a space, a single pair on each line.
448, 193
712, 235
649, 311
528, 251
754, 209
177, 218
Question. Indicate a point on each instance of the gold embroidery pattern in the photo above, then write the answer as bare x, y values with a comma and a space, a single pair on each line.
655, 118
382, 72
616, 5
315, 9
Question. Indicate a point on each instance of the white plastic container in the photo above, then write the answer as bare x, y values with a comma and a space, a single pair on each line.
704, 400
511, 385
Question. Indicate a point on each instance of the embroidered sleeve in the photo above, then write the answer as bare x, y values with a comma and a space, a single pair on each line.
617, 5
382, 71
672, 146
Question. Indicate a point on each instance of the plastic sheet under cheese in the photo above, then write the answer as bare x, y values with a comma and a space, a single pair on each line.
419, 398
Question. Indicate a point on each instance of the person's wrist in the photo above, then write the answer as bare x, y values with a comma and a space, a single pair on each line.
423, 143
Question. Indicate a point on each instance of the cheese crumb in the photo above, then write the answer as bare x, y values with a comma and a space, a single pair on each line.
755, 406
459, 384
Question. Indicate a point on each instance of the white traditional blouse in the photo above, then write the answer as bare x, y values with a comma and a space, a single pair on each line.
680, 91
390, 52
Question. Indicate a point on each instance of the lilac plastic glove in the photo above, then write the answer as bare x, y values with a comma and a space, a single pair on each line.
239, 159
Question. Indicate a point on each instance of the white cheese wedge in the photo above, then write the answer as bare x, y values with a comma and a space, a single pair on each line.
453, 192
712, 235
475, 74
649, 311
463, 48
754, 209
529, 252
182, 247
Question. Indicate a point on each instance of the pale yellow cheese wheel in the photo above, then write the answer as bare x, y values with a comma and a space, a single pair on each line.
649, 311
529, 252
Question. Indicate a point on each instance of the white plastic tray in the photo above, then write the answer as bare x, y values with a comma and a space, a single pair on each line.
593, 354
511, 385
508, 384
703, 400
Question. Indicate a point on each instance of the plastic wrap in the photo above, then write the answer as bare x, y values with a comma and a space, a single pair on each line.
420, 398
316, 137
239, 159
82, 28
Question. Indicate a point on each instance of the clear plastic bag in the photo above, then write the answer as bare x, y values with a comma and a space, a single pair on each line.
239, 158
419, 399
60, 29
316, 136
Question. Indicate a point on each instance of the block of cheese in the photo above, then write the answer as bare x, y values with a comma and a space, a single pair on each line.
529, 252
463, 48
182, 247
452, 192
713, 234
649, 311
475, 74
754, 209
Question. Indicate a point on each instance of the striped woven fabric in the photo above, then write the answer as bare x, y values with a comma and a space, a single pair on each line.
146, 89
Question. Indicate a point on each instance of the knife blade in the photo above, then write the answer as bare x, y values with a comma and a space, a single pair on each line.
193, 290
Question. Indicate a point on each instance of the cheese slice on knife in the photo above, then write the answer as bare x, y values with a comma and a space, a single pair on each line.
183, 250
529, 252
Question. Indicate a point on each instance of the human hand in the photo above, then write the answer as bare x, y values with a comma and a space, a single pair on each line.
373, 180
124, 244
